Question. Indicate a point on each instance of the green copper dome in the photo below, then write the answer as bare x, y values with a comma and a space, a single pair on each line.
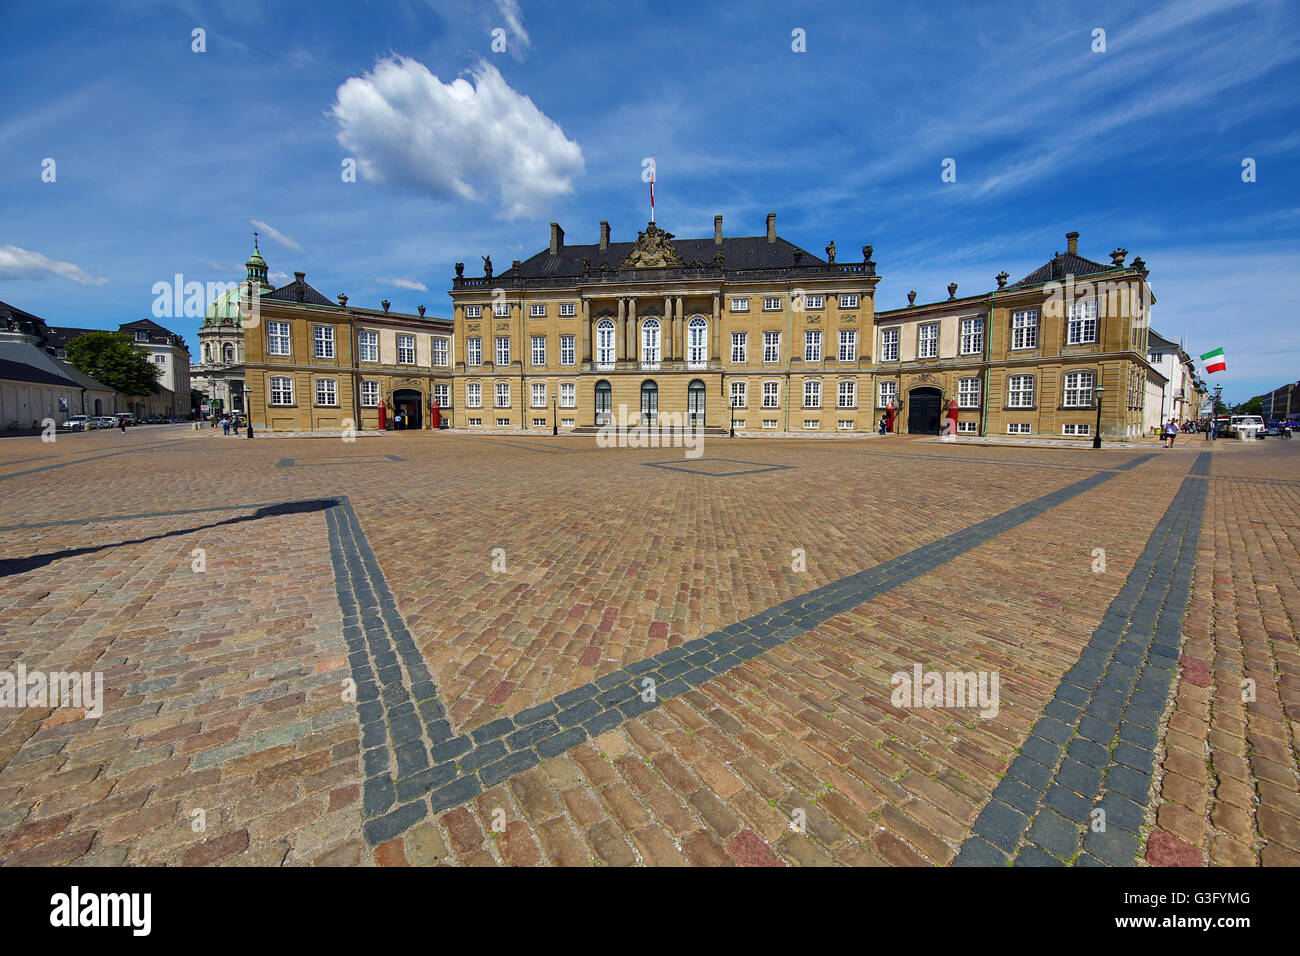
224, 310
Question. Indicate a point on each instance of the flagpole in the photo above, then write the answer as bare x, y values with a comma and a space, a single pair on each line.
652, 187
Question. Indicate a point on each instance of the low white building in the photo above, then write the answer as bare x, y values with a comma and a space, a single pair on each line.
1180, 402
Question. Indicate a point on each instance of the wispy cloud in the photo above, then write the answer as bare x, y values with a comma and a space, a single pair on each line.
19, 263
405, 284
509, 10
287, 241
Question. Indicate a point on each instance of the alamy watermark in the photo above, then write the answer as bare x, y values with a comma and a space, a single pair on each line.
24, 688
660, 430
923, 688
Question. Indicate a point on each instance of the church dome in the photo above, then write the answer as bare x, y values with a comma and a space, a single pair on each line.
224, 310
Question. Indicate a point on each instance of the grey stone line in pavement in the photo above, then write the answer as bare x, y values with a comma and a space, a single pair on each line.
1094, 747
412, 761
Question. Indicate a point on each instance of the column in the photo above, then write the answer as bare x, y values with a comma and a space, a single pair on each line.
620, 334
586, 331
679, 323
633, 349
715, 333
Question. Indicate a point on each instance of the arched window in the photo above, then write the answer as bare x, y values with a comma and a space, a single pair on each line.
649, 403
697, 343
228, 354
604, 402
650, 343
605, 353
695, 404
207, 353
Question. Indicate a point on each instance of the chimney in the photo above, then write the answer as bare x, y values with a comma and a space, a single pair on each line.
717, 230
1072, 238
604, 235
771, 227
557, 238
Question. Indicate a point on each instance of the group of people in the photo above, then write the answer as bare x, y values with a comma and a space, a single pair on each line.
230, 424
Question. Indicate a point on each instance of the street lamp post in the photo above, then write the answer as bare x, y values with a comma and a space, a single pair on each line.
735, 403
1096, 438
555, 421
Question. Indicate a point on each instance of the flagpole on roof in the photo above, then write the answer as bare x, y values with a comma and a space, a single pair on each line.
652, 187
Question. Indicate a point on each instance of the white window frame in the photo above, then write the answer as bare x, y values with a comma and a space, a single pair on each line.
474, 350
323, 341
473, 311
1024, 329
538, 348
568, 350
1081, 325
848, 301
1073, 393
501, 310
501, 391
405, 348
1020, 395
771, 303
329, 386
848, 394
968, 393
473, 394
771, 346
848, 345
281, 391
1018, 428
771, 394
277, 334
739, 395
812, 345
697, 343
972, 336
813, 303
739, 348
740, 304
368, 346
369, 394
503, 349
442, 395
606, 348
568, 395
927, 340
889, 339
438, 351
568, 310
651, 339
812, 394
538, 389
537, 310
887, 393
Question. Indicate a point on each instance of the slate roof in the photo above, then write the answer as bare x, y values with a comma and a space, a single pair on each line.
1157, 341
742, 252
38, 357
20, 372
32, 324
60, 335
1062, 265
299, 291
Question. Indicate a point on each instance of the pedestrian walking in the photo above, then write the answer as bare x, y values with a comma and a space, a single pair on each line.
1171, 431
121, 423
882, 424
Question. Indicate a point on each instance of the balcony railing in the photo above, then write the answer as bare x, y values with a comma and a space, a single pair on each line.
814, 270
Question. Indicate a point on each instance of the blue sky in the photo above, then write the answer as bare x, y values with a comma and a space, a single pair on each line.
165, 157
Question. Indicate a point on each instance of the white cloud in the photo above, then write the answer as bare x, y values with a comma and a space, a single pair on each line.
19, 263
287, 241
406, 284
454, 140
276, 278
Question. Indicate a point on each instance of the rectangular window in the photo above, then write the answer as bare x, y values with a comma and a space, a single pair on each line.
501, 310
969, 427
539, 394
772, 303
503, 394
1078, 390
442, 396
1084, 429
368, 346
927, 342
1018, 428
475, 422
812, 345
473, 311
968, 393
848, 345
503, 422
888, 394
160, 359
1020, 391
405, 349
568, 422
539, 421
474, 351
537, 311
739, 347
848, 302
769, 423
739, 305
281, 390
326, 392
567, 310
845, 424
539, 350
503, 350
812, 424
771, 346
568, 395
771, 391
972, 336
739, 395
568, 352
369, 394
812, 394
848, 395
324, 339
814, 302
1024, 329
474, 395
439, 351
889, 345
1082, 328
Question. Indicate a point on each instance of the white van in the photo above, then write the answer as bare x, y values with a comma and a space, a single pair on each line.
1248, 427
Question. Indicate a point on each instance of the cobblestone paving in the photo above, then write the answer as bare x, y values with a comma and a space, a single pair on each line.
434, 648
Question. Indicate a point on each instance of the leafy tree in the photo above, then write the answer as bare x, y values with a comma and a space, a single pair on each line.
112, 358
1253, 407
197, 399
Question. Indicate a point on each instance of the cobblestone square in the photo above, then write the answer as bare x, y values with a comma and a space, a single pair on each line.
430, 648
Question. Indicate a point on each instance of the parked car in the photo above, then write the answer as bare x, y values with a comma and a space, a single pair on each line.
128, 417
76, 423
105, 421
1246, 426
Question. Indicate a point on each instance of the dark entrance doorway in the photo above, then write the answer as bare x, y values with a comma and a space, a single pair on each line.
695, 405
650, 404
408, 403
923, 411
604, 402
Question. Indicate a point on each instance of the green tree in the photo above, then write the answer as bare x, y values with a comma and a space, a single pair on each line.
197, 399
1253, 407
112, 358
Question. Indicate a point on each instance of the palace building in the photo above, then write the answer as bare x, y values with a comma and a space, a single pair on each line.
663, 330
1026, 358
315, 365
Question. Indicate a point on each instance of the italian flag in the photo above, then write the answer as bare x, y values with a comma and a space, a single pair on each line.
1214, 361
